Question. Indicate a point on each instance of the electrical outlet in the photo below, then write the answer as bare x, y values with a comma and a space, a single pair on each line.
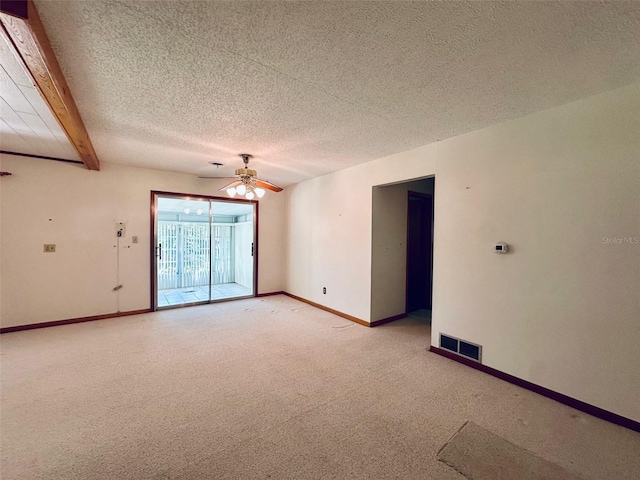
134, 239
49, 248
324, 290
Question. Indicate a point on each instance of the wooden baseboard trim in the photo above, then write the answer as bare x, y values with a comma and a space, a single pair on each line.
269, 294
345, 315
388, 319
558, 397
330, 310
69, 321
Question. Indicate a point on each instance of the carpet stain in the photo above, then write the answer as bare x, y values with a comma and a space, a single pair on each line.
482, 455
301, 308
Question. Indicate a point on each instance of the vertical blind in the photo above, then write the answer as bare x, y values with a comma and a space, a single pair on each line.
185, 254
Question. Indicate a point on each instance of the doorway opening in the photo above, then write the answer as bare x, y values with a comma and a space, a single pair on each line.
204, 249
396, 267
419, 251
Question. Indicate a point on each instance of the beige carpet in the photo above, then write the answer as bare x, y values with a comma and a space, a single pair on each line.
267, 388
479, 454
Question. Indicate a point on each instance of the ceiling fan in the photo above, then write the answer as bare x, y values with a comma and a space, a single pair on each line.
247, 182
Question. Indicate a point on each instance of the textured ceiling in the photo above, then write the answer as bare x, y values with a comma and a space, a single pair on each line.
313, 87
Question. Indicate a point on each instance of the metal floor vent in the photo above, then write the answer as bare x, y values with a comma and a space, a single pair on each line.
461, 347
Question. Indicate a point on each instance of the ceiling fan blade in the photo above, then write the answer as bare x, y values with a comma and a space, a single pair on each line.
267, 185
232, 184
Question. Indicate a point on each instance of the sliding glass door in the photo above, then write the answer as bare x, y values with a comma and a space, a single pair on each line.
232, 250
203, 250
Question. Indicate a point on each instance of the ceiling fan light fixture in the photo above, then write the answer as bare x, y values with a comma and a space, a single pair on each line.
247, 183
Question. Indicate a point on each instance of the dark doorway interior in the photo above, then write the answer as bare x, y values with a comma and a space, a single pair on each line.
419, 251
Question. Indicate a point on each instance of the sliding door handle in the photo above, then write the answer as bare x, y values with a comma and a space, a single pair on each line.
159, 251
252, 249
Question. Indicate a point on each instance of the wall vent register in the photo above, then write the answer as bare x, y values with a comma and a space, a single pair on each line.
461, 347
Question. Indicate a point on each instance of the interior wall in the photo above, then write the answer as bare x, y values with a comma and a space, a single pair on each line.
389, 246
76, 209
562, 188
328, 236
561, 309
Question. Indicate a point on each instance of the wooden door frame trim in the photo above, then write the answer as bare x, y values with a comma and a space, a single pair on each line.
152, 242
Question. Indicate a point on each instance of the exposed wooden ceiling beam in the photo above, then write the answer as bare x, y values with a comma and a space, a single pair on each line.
32, 48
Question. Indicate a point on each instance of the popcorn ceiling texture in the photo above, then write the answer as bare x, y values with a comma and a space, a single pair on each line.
313, 87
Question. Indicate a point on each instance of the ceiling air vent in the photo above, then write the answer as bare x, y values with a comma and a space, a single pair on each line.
461, 347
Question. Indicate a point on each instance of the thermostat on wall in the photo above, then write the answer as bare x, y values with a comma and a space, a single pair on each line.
500, 247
